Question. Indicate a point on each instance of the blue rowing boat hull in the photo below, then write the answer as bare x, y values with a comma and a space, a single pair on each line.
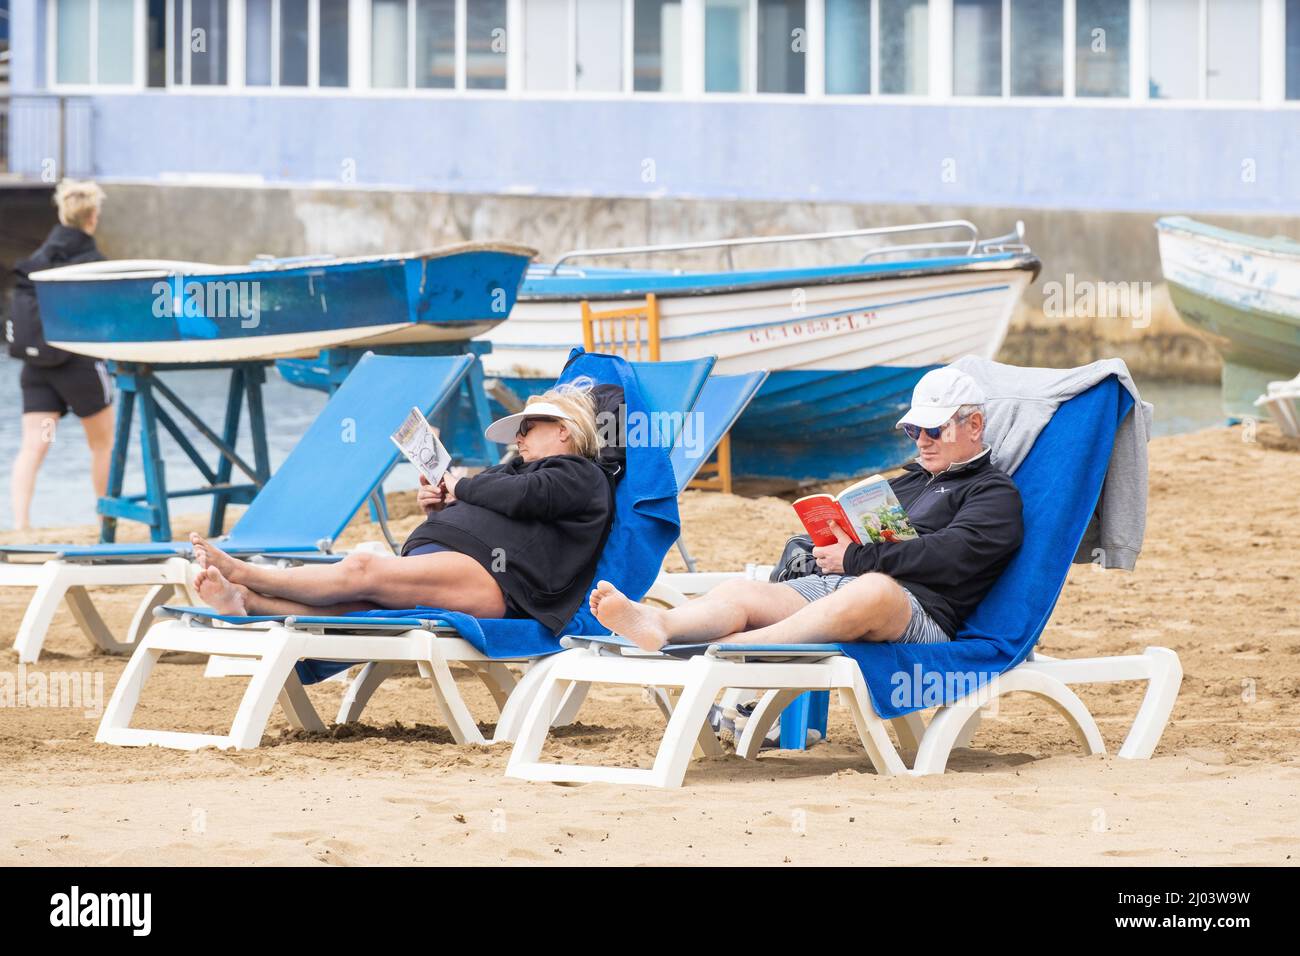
153, 315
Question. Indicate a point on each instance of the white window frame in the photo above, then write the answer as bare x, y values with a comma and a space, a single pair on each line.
1272, 59
137, 81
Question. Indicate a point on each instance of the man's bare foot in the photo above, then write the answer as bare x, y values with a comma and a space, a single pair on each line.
219, 593
208, 555
639, 623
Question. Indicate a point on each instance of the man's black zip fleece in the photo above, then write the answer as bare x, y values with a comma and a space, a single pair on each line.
969, 523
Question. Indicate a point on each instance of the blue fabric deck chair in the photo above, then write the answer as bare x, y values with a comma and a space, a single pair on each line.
722, 401
283, 653
300, 511
1060, 482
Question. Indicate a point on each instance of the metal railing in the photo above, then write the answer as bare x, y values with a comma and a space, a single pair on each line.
46, 137
971, 245
1013, 241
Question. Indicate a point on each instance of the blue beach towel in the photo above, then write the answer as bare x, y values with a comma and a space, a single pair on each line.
645, 526
1060, 482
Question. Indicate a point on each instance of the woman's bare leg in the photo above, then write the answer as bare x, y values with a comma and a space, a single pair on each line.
443, 580
99, 436
38, 433
231, 598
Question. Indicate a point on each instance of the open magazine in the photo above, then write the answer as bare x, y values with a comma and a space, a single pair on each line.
867, 511
417, 440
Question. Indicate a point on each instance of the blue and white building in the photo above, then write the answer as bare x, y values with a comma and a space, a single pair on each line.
987, 108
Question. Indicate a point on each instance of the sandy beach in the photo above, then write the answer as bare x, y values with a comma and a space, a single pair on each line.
1217, 581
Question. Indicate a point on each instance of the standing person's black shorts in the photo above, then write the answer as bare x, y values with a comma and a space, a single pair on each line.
81, 384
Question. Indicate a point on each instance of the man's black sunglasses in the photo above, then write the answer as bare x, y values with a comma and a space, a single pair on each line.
913, 432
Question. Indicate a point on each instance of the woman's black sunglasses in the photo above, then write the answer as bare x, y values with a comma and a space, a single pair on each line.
527, 424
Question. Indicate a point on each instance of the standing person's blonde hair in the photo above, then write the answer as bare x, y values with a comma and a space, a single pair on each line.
578, 405
78, 202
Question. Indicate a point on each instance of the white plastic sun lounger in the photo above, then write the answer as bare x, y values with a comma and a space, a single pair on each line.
1280, 401
272, 649
281, 520
268, 649
1060, 482
784, 672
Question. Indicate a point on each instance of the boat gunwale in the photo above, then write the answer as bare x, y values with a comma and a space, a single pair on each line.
1002, 262
1282, 247
103, 270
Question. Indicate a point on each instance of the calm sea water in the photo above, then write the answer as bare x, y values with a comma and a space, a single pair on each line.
64, 495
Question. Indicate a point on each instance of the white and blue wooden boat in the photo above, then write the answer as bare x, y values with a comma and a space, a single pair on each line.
1243, 292
187, 312
845, 344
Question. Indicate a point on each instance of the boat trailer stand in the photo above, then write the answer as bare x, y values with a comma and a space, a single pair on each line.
141, 389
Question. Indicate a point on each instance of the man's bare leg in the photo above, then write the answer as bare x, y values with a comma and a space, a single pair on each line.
870, 608
728, 608
444, 579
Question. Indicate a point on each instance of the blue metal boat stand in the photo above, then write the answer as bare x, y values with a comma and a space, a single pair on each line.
141, 389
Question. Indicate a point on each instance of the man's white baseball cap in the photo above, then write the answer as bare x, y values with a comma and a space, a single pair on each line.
503, 430
938, 395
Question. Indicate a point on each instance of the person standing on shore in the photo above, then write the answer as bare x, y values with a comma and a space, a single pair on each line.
54, 381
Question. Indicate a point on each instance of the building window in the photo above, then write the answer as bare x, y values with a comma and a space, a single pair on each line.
199, 37
388, 43
94, 41
413, 43
1101, 47
977, 47
333, 63
782, 42
657, 46
573, 45
1037, 48
848, 46
547, 56
754, 45
904, 46
278, 34
485, 45
435, 44
893, 57
1204, 49
1293, 49
1232, 53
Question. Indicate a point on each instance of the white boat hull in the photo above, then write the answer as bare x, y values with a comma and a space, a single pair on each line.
908, 322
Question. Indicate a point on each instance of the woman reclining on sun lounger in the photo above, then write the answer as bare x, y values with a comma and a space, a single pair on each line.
520, 539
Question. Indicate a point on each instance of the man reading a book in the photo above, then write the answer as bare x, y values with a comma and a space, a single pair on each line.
968, 517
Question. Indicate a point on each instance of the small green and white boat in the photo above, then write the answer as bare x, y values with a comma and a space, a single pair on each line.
1244, 291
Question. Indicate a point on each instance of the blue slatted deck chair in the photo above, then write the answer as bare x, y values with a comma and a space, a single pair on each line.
1060, 482
283, 653
300, 511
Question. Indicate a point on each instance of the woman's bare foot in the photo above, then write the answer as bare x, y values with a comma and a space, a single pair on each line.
219, 593
208, 555
639, 623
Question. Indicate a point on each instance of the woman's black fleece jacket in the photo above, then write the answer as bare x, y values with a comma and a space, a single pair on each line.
537, 527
